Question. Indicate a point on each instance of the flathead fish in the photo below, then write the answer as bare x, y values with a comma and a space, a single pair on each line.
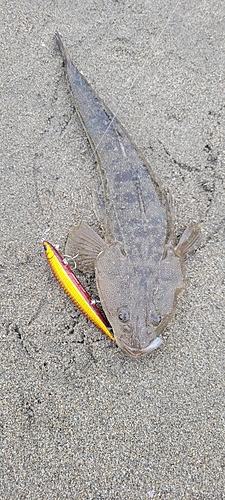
139, 265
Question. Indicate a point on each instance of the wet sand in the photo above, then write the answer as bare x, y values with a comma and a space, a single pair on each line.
79, 419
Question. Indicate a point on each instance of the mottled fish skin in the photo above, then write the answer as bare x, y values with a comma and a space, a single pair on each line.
139, 273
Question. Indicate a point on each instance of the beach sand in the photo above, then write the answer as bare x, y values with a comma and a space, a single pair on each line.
80, 419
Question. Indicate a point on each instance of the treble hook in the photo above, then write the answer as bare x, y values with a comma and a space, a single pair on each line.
65, 257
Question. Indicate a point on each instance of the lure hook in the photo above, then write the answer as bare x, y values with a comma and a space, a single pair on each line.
69, 257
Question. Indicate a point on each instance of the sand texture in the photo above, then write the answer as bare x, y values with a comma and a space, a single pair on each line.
80, 420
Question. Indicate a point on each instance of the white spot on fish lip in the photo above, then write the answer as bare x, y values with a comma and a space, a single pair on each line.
136, 352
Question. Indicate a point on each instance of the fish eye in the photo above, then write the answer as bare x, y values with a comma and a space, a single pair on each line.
155, 319
124, 315
45, 247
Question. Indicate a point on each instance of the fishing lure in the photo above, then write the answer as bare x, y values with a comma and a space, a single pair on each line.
74, 289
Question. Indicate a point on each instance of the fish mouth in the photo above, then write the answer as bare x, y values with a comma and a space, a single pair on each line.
137, 352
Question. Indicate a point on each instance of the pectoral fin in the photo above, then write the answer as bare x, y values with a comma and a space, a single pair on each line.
84, 243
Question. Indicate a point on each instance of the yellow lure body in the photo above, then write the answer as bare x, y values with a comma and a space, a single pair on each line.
74, 289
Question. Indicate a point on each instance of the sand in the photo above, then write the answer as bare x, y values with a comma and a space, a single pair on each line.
80, 419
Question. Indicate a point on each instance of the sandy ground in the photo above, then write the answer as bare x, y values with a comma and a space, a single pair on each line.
79, 419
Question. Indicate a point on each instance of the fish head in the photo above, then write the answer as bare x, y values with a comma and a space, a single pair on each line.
123, 296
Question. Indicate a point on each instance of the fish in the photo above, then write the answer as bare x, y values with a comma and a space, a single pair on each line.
139, 264
74, 289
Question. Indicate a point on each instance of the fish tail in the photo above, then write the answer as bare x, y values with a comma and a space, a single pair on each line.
62, 48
